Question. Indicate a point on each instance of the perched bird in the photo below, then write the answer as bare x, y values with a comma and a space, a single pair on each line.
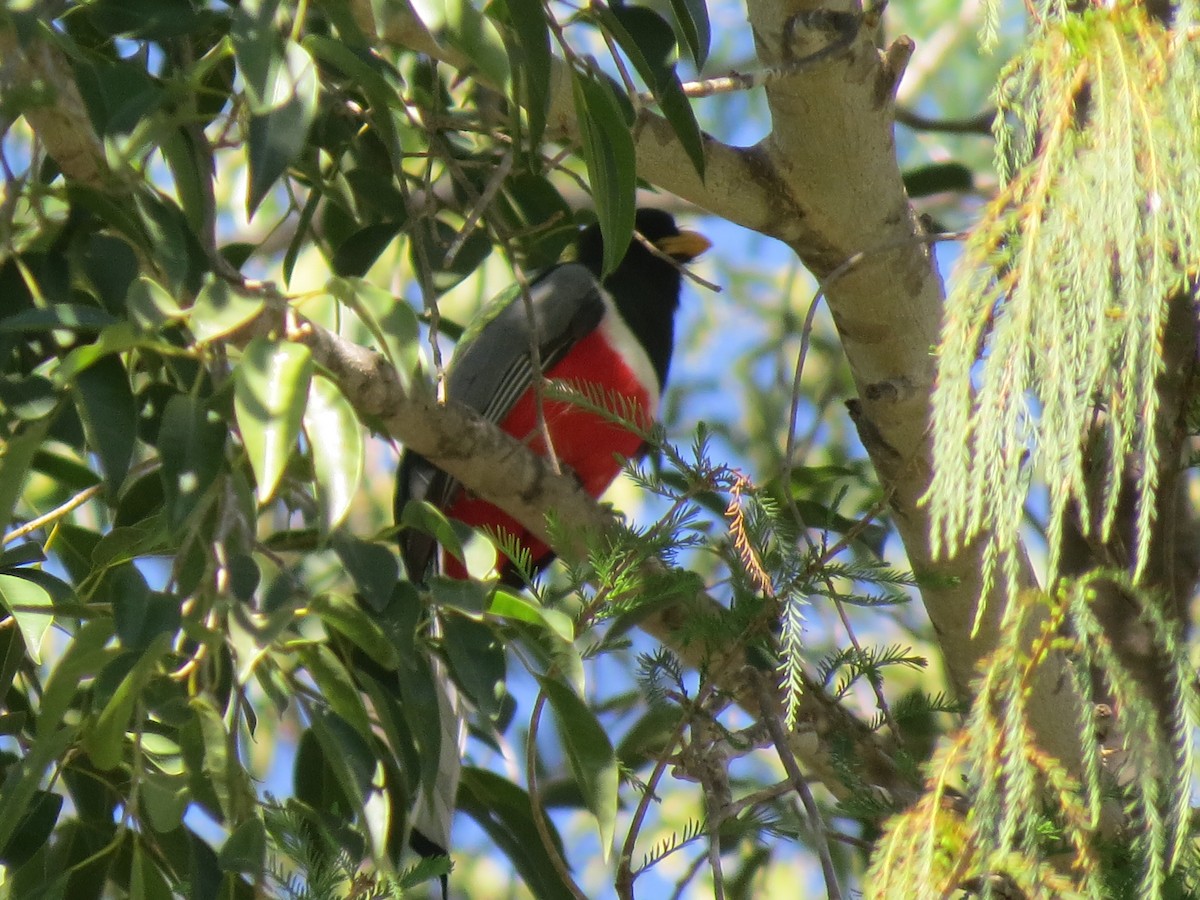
614, 338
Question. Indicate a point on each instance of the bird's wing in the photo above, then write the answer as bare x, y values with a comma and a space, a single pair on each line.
492, 369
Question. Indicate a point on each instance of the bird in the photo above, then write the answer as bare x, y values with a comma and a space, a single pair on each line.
610, 336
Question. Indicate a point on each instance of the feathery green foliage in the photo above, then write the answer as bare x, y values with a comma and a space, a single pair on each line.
1065, 285
978, 818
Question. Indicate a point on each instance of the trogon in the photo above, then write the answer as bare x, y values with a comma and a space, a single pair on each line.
610, 338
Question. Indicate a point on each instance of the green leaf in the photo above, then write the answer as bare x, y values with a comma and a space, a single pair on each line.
270, 392
21, 592
357, 253
85, 656
153, 20
476, 656
105, 740
611, 162
256, 48
345, 616
530, 58
337, 687
590, 755
692, 17
219, 309
109, 413
192, 183
191, 445
366, 71
392, 323
467, 30
649, 43
336, 439
145, 880
245, 850
28, 397
427, 518
16, 456
21, 784
278, 136
504, 811
59, 316
372, 567
112, 340
164, 799
33, 830
348, 754
151, 305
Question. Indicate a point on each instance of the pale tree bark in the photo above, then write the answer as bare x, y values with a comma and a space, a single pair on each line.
826, 181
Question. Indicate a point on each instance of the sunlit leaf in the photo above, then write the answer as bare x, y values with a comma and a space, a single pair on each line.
270, 393
335, 437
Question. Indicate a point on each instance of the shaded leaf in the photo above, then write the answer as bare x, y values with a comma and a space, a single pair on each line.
611, 162
109, 413
105, 739
649, 43
372, 566
277, 137
191, 445
590, 755
33, 830
503, 811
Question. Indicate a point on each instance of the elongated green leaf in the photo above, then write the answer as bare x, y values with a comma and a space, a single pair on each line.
530, 58
33, 830
336, 438
191, 445
246, 849
21, 784
590, 755
368, 75
649, 43
345, 616
357, 253
109, 413
692, 16
219, 309
257, 50
337, 687
15, 458
66, 316
105, 740
392, 324
519, 608
270, 393
277, 137
460, 24
21, 598
611, 162
151, 305
85, 656
504, 811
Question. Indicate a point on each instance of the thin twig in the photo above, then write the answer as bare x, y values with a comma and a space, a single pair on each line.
832, 890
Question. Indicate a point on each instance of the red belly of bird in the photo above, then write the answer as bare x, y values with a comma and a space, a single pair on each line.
591, 446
